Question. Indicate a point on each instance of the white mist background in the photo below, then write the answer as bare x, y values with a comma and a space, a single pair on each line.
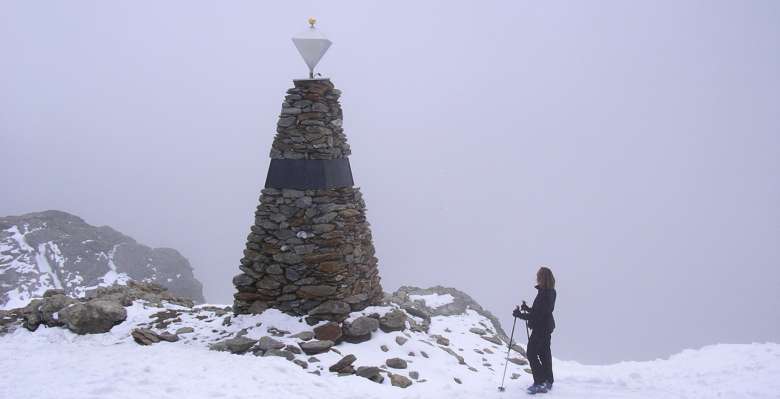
631, 146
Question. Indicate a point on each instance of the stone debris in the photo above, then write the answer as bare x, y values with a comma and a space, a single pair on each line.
329, 332
316, 347
398, 380
342, 365
266, 343
236, 345
371, 373
360, 329
393, 321
396, 363
492, 339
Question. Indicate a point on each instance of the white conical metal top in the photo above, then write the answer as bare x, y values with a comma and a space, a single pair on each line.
312, 45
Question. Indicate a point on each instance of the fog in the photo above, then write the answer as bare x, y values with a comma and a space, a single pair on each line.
632, 147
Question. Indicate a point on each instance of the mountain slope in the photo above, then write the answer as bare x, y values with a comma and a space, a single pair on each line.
54, 249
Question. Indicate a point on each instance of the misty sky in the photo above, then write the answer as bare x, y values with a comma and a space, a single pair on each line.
633, 147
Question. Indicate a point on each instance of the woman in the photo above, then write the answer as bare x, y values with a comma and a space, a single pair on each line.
540, 320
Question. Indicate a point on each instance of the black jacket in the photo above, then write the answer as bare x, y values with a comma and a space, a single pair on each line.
540, 316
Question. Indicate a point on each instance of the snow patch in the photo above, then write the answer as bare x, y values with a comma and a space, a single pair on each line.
433, 300
45, 268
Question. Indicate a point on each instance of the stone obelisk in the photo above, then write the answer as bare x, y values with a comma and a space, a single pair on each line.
310, 250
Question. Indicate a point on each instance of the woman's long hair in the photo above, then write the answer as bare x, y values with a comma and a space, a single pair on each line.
545, 278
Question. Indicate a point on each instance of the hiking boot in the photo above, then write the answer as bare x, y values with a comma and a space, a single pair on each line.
548, 385
536, 388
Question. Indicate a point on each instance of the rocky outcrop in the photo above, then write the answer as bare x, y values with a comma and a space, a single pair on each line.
310, 250
96, 314
56, 250
460, 303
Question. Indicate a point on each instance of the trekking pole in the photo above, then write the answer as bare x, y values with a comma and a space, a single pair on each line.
506, 361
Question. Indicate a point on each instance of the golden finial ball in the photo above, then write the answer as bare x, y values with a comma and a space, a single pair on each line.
312, 21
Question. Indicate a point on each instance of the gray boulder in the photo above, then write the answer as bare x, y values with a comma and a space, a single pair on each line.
267, 343
236, 345
371, 373
396, 363
393, 321
52, 304
360, 329
398, 380
315, 347
93, 317
344, 363
303, 335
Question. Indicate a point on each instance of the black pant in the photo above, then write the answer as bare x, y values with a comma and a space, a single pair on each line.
540, 357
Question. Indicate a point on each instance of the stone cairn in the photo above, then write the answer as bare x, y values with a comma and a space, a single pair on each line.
310, 250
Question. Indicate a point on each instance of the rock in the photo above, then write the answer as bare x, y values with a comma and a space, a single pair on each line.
329, 332
301, 363
494, 339
396, 363
400, 340
414, 375
53, 291
442, 340
257, 307
316, 347
345, 362
303, 335
294, 349
279, 352
393, 321
93, 317
185, 330
360, 329
168, 337
515, 376
145, 336
518, 361
243, 280
52, 303
519, 349
452, 352
236, 345
477, 331
331, 308
371, 373
277, 332
31, 316
316, 291
424, 354
313, 360
397, 380
456, 379
384, 348
267, 343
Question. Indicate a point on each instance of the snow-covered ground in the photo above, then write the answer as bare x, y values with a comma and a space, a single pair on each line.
55, 363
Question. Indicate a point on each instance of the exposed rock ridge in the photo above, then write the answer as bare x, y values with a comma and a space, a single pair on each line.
54, 249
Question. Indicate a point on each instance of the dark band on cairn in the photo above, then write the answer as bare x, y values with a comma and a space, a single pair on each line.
309, 174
